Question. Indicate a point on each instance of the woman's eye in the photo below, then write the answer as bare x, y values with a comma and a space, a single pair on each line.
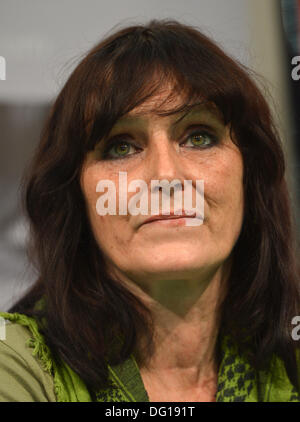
200, 140
119, 149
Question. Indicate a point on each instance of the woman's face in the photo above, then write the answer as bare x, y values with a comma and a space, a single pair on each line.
198, 147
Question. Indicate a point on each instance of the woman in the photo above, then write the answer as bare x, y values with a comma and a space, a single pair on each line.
128, 307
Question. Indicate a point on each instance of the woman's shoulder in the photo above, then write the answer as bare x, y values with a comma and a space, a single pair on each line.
31, 369
23, 377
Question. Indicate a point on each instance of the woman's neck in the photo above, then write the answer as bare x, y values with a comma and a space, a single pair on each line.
184, 344
186, 322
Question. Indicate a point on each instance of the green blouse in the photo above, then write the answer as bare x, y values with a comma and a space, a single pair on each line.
29, 373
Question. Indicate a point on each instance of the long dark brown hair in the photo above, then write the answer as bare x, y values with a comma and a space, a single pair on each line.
85, 308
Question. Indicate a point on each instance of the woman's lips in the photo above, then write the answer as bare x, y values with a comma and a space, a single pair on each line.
168, 220
181, 221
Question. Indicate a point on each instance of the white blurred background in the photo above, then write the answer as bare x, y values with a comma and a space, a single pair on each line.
43, 40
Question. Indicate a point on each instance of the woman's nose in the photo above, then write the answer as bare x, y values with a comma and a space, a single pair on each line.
165, 175
163, 161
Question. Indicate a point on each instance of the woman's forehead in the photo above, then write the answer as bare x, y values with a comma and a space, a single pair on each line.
145, 111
